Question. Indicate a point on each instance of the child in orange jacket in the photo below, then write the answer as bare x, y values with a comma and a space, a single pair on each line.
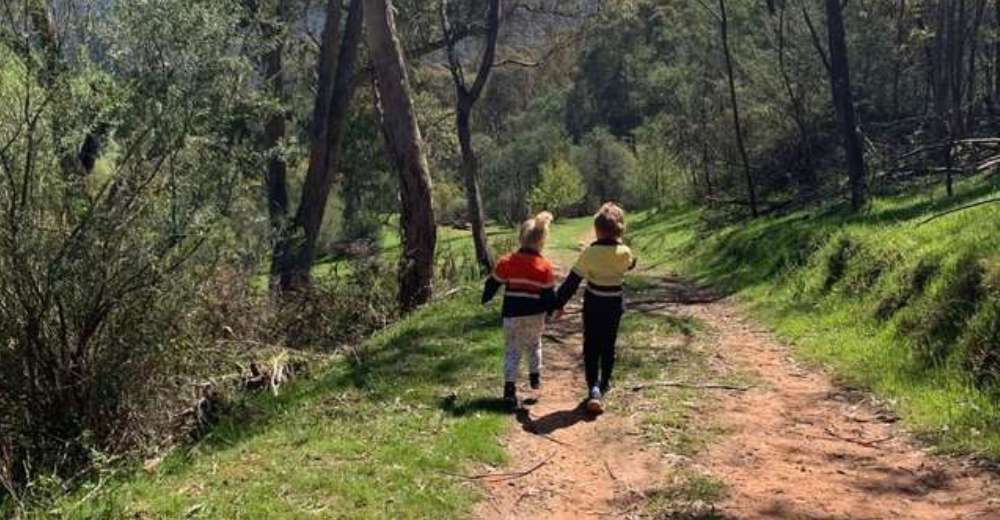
529, 297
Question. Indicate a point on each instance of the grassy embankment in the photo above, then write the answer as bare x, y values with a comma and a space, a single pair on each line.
369, 438
373, 436
908, 309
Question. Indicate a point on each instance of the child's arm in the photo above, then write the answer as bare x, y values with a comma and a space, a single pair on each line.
567, 289
548, 295
572, 282
496, 280
490, 290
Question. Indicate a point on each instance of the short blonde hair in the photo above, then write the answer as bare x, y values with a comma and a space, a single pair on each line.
610, 220
535, 230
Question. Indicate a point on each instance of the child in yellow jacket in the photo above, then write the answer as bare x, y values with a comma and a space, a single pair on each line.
603, 265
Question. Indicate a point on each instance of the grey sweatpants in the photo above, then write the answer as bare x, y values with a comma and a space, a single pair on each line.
523, 333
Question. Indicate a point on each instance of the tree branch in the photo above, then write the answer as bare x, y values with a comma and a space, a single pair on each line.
489, 54
815, 39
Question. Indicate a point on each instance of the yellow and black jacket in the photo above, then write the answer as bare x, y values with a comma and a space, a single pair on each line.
603, 265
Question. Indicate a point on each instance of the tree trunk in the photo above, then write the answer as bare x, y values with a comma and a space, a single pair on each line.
465, 98
470, 172
840, 85
996, 52
971, 100
333, 97
275, 129
898, 58
806, 177
724, 30
406, 149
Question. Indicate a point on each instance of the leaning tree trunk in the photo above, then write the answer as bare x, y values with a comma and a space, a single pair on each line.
275, 129
840, 85
406, 149
724, 30
333, 97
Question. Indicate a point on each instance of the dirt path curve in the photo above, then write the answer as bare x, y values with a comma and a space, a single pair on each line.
802, 448
796, 447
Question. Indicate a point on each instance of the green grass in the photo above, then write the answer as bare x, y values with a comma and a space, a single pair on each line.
909, 310
371, 438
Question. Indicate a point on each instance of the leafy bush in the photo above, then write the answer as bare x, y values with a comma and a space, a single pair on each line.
560, 187
606, 164
98, 274
450, 206
660, 178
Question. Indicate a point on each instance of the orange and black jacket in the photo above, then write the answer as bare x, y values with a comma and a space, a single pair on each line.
530, 283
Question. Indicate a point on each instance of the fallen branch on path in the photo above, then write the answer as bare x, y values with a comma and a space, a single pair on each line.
868, 444
504, 476
682, 384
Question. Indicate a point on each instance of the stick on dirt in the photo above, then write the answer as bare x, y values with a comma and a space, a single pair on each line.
505, 476
868, 444
682, 384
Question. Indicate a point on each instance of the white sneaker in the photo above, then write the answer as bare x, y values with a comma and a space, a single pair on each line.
594, 404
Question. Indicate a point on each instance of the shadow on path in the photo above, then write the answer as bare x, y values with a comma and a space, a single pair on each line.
554, 421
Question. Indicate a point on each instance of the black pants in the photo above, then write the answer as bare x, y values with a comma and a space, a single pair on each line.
601, 317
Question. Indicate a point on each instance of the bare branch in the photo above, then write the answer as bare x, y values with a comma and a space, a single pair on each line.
489, 54
815, 38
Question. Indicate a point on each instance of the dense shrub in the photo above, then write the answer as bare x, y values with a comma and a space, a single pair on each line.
559, 188
98, 272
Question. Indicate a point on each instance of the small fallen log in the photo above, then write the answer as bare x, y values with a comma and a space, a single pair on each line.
874, 443
684, 384
505, 476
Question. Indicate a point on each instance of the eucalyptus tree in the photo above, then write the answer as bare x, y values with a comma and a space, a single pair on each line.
405, 147
466, 96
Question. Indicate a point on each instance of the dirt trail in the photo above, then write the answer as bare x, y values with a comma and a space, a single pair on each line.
796, 447
590, 466
802, 447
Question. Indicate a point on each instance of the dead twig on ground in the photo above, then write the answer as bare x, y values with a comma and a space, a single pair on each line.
610, 473
682, 384
861, 442
493, 477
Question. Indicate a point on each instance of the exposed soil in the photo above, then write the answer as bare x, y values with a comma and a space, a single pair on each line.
796, 445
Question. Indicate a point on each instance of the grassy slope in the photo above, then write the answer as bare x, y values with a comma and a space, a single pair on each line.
908, 310
368, 439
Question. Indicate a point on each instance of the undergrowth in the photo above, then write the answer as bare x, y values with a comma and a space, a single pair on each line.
375, 436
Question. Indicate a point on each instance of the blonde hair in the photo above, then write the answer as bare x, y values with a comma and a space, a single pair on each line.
535, 230
610, 220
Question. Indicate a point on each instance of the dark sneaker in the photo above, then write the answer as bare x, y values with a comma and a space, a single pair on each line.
536, 381
510, 395
594, 404
605, 387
